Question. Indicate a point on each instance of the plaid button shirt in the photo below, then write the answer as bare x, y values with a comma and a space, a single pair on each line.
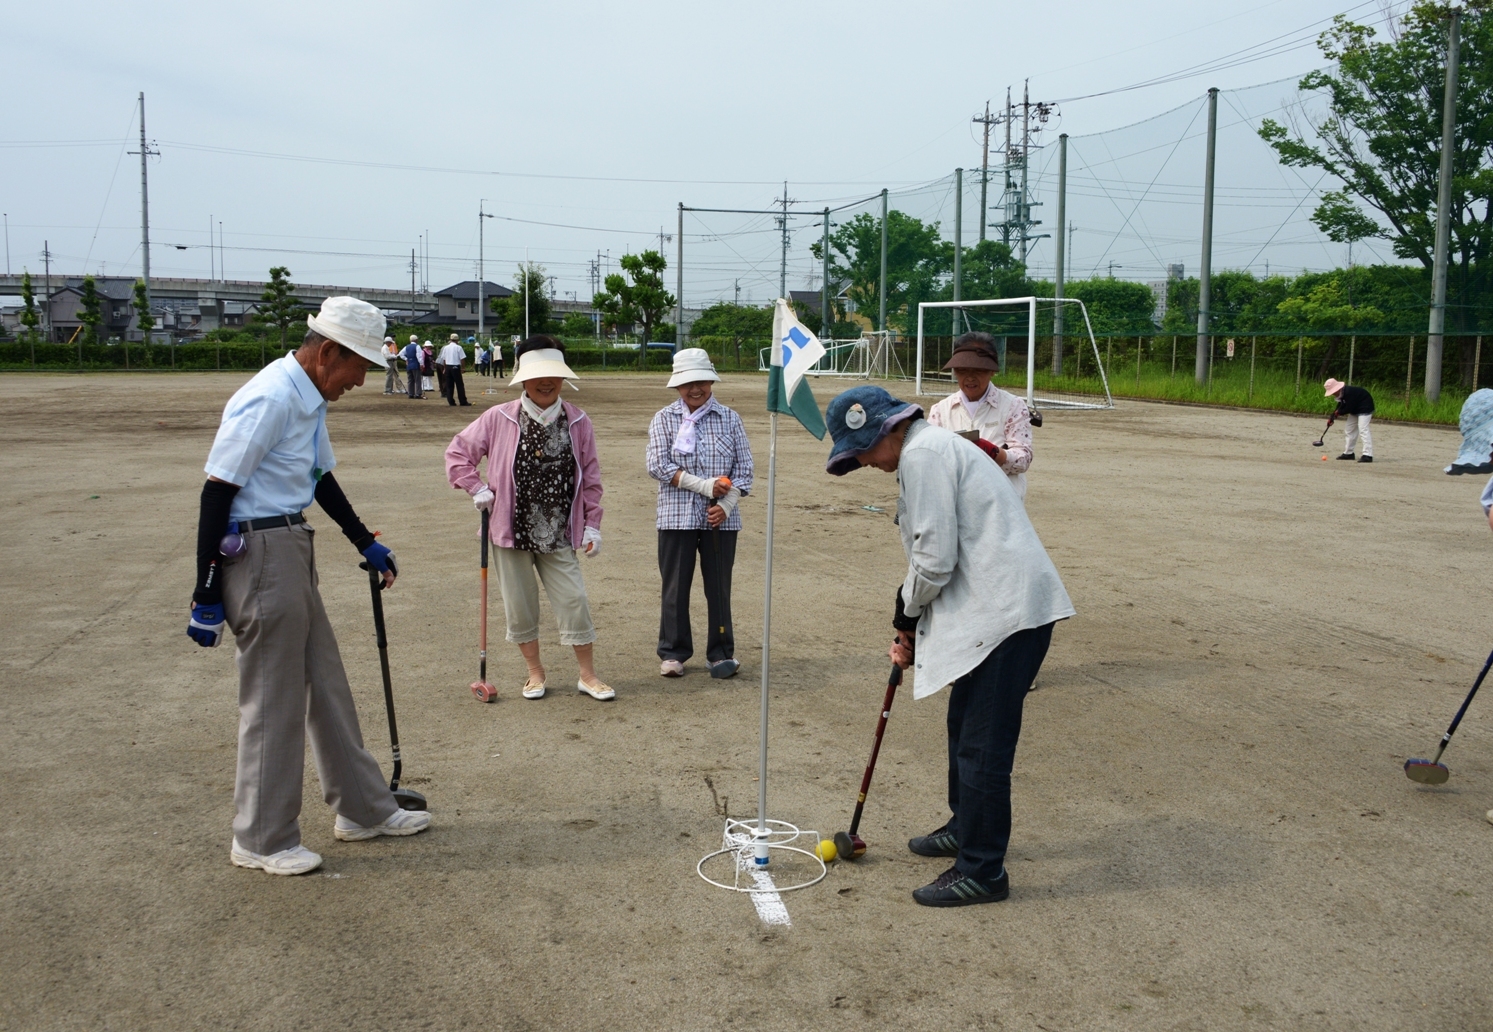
721, 450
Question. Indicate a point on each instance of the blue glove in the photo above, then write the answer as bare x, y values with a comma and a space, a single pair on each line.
381, 558
206, 625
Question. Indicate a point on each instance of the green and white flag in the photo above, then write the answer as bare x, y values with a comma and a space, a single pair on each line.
795, 351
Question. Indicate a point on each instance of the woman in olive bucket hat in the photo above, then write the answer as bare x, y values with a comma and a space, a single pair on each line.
976, 610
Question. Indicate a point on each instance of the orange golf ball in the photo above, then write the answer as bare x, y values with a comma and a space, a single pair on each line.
1324, 458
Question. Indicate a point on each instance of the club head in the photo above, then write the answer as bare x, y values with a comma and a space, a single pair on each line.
409, 799
848, 846
1316, 444
1426, 773
1036, 418
485, 692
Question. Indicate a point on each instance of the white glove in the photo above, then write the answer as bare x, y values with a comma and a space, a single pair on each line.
591, 542
483, 499
699, 485
728, 501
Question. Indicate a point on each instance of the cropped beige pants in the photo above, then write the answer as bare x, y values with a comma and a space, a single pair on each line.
563, 584
290, 681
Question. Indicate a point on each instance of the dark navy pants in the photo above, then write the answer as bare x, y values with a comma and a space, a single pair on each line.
984, 724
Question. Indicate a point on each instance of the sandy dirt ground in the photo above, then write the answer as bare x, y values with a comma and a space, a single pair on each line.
1212, 827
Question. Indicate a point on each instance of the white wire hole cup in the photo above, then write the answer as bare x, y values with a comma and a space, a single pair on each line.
751, 854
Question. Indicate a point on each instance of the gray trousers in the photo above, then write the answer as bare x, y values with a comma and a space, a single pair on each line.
290, 681
676, 567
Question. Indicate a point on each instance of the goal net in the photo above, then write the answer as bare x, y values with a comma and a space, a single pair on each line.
872, 354
1053, 362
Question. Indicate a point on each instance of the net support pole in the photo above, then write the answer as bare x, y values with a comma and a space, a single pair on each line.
1059, 270
954, 319
1434, 340
772, 476
1031, 349
881, 290
917, 378
1205, 273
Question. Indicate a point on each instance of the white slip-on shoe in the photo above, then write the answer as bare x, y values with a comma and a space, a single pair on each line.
600, 690
297, 860
671, 668
534, 689
400, 822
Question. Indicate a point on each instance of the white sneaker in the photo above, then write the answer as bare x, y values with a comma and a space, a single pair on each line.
600, 690
298, 860
400, 822
671, 668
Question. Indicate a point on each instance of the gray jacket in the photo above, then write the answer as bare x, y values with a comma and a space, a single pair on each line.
977, 572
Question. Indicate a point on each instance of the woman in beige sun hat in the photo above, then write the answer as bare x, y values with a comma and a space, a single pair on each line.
543, 491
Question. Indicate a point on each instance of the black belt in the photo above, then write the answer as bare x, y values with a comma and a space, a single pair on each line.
271, 522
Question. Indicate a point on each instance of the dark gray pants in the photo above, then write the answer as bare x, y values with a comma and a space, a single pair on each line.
291, 681
676, 565
984, 724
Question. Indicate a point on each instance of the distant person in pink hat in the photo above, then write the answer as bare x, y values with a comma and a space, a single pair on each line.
1355, 407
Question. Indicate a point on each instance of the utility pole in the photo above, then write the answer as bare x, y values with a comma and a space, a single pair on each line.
824, 317
1205, 274
7, 243
1006, 176
679, 284
145, 152
783, 267
1435, 340
412, 286
212, 253
482, 218
738, 292
46, 254
987, 122
881, 290
1060, 268
526, 299
955, 319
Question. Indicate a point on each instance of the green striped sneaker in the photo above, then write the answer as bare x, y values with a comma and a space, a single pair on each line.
936, 843
956, 889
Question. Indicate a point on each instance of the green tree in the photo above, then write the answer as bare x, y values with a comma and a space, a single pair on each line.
529, 280
639, 297
577, 324
90, 314
30, 317
1381, 138
740, 322
278, 306
1326, 307
1115, 306
917, 259
143, 318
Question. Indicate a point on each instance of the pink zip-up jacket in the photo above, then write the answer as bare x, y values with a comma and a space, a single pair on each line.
494, 434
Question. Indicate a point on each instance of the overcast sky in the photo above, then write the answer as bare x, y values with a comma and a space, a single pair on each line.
602, 116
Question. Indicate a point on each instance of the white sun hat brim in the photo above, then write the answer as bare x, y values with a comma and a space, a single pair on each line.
542, 363
693, 365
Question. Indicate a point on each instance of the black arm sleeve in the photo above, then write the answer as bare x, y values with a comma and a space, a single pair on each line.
212, 524
335, 504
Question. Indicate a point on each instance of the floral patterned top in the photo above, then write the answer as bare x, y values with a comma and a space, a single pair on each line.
544, 485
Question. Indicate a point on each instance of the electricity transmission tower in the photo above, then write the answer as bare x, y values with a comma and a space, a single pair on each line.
1015, 205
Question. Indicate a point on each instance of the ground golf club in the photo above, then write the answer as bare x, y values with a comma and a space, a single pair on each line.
407, 798
481, 688
1330, 420
849, 845
1433, 771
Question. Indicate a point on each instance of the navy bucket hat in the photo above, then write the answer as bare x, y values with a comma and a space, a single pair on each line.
857, 420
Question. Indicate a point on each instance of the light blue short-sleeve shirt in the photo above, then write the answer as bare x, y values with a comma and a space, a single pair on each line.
273, 442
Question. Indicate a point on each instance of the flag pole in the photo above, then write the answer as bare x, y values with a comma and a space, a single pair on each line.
772, 472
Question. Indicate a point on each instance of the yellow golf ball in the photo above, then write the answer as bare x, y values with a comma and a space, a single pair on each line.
827, 851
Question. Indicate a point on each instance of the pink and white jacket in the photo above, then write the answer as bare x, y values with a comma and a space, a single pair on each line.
494, 434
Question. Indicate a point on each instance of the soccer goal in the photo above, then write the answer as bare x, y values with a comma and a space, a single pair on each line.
1049, 374
870, 355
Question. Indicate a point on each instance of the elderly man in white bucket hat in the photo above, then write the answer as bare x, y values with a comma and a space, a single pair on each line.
256, 574
699, 454
543, 497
